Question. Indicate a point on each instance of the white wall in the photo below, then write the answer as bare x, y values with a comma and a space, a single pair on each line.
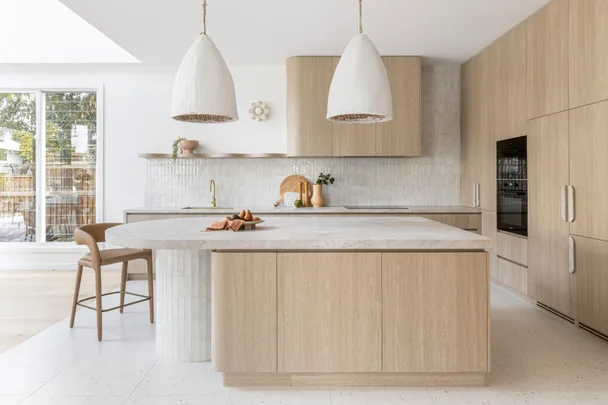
137, 117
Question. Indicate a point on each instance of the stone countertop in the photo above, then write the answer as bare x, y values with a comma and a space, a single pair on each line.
304, 233
323, 210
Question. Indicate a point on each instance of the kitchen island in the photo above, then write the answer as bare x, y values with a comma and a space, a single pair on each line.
322, 301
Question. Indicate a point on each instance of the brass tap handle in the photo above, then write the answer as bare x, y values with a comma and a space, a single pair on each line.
212, 189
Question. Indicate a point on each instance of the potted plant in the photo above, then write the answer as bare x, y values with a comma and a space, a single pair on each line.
317, 199
176, 148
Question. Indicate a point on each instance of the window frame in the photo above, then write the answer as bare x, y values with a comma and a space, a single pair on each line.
41, 163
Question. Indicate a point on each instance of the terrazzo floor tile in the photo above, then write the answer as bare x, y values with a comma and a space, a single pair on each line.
537, 359
414, 396
75, 400
280, 397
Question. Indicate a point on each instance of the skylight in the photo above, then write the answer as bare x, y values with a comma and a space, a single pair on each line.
46, 31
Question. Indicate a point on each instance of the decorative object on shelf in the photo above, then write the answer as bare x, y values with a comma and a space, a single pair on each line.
259, 111
317, 199
176, 147
360, 91
203, 91
188, 146
289, 199
298, 204
306, 191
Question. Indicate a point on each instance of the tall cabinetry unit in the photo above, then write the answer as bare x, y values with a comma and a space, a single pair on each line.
561, 102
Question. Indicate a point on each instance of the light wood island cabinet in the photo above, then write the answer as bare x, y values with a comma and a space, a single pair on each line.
416, 287
351, 318
329, 312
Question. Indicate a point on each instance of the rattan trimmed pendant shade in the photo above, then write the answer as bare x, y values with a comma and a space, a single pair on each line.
360, 91
203, 91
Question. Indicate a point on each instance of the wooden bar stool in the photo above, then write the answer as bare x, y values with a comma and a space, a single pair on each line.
91, 235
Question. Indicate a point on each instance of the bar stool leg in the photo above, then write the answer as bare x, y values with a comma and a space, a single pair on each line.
123, 285
98, 301
151, 288
76, 293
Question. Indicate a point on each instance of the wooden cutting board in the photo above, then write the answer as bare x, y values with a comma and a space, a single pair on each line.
290, 184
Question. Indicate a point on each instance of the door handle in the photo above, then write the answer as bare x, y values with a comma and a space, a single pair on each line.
571, 258
570, 204
564, 207
477, 199
474, 195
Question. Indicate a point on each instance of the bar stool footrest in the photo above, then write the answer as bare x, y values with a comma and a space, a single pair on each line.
145, 298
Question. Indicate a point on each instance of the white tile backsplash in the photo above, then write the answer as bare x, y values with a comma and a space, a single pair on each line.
432, 179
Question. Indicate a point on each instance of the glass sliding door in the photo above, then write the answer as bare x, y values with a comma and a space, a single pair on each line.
48, 164
18, 167
70, 160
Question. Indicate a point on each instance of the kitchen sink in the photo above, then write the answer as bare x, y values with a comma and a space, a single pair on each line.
376, 207
207, 208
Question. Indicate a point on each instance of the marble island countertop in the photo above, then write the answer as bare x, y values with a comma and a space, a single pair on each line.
291, 210
300, 233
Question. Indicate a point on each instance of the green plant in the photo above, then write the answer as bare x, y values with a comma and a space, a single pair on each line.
176, 147
298, 204
325, 179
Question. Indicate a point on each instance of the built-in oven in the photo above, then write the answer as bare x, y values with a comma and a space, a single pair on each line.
512, 185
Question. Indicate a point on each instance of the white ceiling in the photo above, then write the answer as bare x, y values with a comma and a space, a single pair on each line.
258, 32
46, 31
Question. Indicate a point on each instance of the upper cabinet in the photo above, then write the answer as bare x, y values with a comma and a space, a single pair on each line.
401, 136
310, 134
511, 66
548, 60
588, 54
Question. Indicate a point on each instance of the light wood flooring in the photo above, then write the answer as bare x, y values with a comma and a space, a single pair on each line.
31, 301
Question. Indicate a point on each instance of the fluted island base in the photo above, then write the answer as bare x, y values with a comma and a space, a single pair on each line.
183, 305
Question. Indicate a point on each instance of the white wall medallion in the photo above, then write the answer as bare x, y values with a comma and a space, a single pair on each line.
259, 111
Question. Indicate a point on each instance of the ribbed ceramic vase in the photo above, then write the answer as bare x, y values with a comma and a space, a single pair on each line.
317, 195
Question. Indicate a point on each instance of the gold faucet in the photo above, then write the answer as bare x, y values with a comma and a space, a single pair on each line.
212, 188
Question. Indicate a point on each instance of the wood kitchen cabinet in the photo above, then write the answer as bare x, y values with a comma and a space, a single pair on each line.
402, 135
512, 84
244, 312
589, 170
591, 273
310, 134
588, 66
547, 75
427, 299
548, 231
468, 138
329, 312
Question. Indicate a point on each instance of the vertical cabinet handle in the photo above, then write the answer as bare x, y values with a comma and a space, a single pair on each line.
571, 258
478, 196
570, 204
564, 207
474, 195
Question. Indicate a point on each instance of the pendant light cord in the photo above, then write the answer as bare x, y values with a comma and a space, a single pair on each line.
205, 17
360, 16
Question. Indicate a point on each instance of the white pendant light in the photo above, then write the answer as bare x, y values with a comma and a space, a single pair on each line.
203, 91
360, 92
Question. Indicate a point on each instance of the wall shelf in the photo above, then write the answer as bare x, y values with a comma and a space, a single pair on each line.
212, 156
